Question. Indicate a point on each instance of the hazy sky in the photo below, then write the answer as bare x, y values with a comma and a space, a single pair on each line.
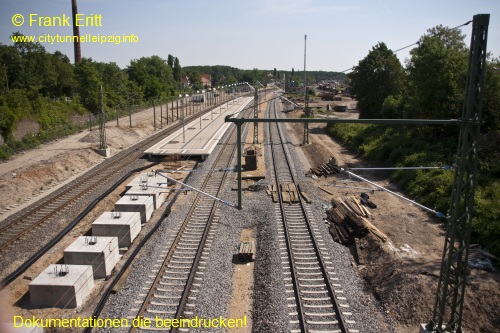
260, 34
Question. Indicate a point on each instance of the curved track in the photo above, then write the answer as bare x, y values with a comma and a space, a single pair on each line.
311, 284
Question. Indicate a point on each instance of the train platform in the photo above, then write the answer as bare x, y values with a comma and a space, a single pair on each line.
199, 137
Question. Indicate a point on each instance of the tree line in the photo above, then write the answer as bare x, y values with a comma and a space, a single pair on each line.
430, 85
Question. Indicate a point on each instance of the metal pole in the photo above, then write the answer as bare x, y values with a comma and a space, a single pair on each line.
182, 111
306, 97
238, 135
154, 116
117, 118
161, 116
130, 115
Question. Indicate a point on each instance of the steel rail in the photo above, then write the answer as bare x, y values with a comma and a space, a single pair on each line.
168, 257
136, 151
331, 293
90, 181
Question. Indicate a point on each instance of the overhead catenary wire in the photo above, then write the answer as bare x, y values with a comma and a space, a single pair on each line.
196, 190
446, 167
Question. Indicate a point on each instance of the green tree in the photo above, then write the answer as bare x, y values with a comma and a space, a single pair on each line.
154, 76
436, 74
11, 68
491, 103
376, 77
88, 84
170, 61
177, 70
65, 75
194, 78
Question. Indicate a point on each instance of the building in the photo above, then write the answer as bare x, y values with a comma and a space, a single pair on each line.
206, 80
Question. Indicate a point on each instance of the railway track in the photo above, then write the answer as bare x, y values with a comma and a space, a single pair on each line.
172, 291
314, 293
53, 206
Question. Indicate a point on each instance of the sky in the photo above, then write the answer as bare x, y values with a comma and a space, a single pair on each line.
263, 34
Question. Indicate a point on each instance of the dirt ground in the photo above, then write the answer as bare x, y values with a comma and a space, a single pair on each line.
402, 274
30, 175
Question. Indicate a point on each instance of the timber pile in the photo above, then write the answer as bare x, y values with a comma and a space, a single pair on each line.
326, 169
348, 220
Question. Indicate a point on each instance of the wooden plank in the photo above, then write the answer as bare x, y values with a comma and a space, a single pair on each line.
303, 194
334, 233
367, 210
325, 190
275, 196
361, 211
380, 235
246, 250
346, 208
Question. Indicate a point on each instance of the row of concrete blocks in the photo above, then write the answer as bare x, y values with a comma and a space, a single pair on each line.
94, 257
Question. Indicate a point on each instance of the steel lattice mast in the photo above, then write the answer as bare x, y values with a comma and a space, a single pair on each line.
450, 294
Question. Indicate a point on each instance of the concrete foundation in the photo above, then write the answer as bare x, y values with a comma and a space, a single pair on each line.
100, 252
143, 178
62, 286
104, 152
124, 225
151, 190
136, 203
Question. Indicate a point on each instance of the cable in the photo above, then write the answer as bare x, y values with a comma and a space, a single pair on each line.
438, 214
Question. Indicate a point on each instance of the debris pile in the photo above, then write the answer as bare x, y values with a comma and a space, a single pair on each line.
348, 219
325, 169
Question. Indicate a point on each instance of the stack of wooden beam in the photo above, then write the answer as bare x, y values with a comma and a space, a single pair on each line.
348, 220
326, 169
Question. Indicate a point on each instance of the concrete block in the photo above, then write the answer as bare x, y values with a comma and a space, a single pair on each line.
151, 190
100, 252
124, 225
144, 178
106, 152
62, 286
135, 203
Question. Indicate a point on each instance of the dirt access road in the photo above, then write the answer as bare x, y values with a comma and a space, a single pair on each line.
401, 273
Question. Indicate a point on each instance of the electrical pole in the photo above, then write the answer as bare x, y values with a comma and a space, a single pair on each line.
102, 123
307, 110
256, 115
450, 294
